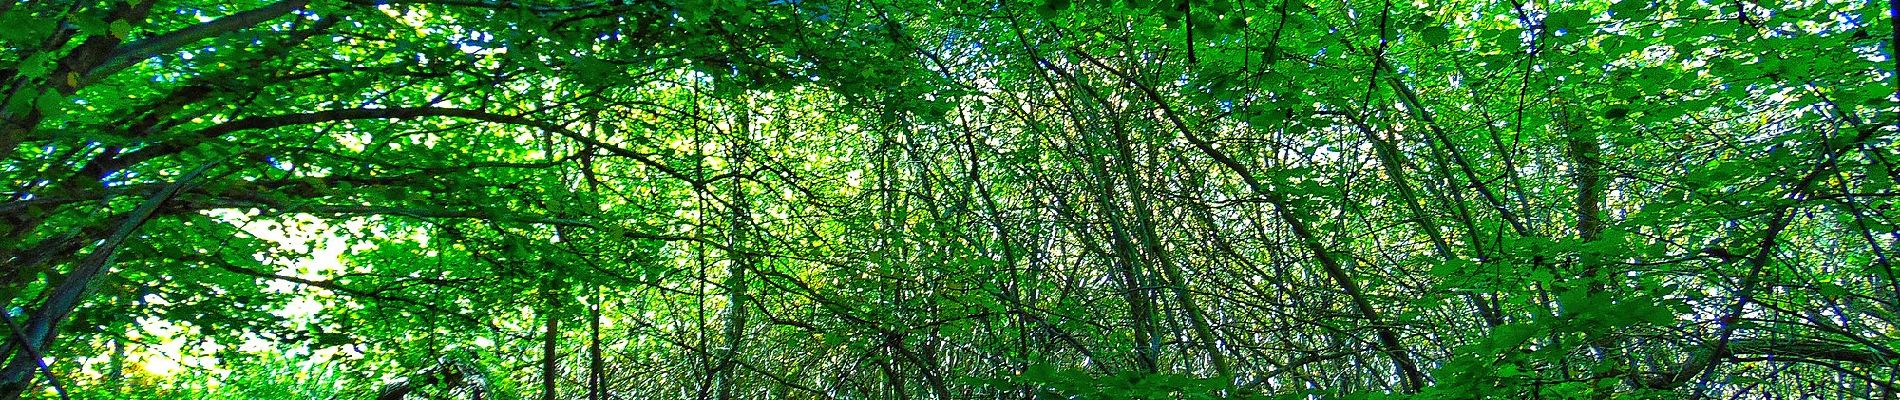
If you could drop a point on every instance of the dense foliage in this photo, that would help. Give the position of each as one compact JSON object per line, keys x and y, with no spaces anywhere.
{"x":954,"y":199}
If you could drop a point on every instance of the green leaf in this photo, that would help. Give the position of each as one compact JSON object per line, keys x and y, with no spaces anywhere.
{"x":21,"y":105}
{"x":1436,"y":35}
{"x":50,"y":103}
{"x":1038,"y":372}
{"x":1879,"y":177}
{"x":1509,"y":371}
{"x":1616,"y":112}
{"x":120,"y":29}
{"x":1052,"y":8}
{"x":23,"y":28}
{"x":1267,"y":117}
{"x":1509,"y":336}
{"x":37,"y":66}
{"x":89,"y":24}
{"x":1632,"y":9}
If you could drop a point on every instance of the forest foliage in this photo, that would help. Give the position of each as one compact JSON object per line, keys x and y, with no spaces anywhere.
{"x":951,"y":199}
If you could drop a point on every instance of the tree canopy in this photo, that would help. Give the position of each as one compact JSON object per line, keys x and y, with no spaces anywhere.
{"x":953,"y":199}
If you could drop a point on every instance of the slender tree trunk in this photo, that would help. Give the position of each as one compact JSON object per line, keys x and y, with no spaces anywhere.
{"x":1127,"y":264}
{"x":1010,"y":283}
{"x":1587,"y":173}
{"x":736,"y":269}
{"x":550,"y":341}
{"x":1586,"y":168}
{"x":596,"y":380}
{"x":1393,"y":163}
{"x":116,"y":372}
{"x":1145,"y":227}
{"x":736,"y":316}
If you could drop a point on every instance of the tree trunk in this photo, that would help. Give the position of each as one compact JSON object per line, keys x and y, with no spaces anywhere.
{"x":1151,"y":242}
{"x":550,"y":341}
{"x":596,"y":381}
{"x":116,"y":368}
{"x":1127,"y":264}
{"x":735,"y":283}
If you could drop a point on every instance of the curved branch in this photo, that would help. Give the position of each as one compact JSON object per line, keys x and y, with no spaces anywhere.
{"x":396,"y":113}
{"x":1810,"y":351}
{"x":130,"y":53}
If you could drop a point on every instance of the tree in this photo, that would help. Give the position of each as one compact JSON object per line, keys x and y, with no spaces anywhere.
{"x":900,"y":199}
